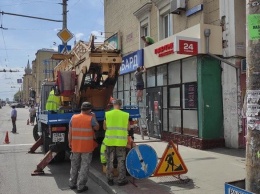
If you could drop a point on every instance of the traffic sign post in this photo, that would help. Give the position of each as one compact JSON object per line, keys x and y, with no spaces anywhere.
{"x":65,"y":35}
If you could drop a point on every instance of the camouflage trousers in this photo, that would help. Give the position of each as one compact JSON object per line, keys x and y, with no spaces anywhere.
{"x":119,"y":153}
{"x":79,"y":169}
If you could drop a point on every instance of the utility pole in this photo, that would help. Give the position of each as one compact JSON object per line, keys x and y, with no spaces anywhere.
{"x":253,"y":96}
{"x":64,"y":14}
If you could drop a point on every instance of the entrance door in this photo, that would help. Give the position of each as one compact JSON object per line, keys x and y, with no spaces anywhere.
{"x":154,"y":111}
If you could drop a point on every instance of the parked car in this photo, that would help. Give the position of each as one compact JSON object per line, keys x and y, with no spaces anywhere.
{"x":18,"y":105}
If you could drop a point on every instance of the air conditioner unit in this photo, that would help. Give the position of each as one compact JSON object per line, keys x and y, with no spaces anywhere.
{"x":243,"y":65}
{"x":177,"y":6}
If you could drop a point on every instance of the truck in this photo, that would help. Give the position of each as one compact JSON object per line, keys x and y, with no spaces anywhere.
{"x":88,"y":73}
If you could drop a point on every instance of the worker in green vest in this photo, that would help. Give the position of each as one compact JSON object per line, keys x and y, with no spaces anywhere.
{"x":147,"y":40}
{"x":53,"y":102}
{"x":116,"y":124}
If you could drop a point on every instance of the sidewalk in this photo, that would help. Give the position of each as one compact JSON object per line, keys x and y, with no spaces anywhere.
{"x":207,"y":172}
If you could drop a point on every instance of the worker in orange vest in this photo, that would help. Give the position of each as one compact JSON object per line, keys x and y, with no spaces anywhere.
{"x":82,"y":144}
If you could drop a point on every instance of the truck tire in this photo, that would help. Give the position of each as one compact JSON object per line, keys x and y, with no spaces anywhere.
{"x":36,"y":135}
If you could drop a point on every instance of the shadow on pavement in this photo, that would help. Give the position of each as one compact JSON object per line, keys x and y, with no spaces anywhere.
{"x":228,"y":151}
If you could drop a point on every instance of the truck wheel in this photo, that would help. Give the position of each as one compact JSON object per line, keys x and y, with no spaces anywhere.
{"x":36,"y":135}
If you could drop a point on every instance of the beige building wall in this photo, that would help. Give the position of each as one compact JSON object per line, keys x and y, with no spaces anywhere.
{"x":28,"y":81}
{"x":119,"y":16}
{"x":42,"y":63}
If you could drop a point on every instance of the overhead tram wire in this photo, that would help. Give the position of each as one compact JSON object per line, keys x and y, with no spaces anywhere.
{"x":4,"y":38}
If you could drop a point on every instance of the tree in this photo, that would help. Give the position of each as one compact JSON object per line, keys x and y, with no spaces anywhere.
{"x":253,"y":95}
{"x":18,"y":96}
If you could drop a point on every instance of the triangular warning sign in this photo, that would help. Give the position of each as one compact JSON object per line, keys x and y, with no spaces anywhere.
{"x":171,"y":162}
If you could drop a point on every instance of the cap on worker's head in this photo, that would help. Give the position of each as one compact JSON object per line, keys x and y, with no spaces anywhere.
{"x":86,"y":106}
{"x":117,"y":102}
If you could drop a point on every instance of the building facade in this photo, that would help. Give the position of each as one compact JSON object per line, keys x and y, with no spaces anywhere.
{"x":192,"y":97}
{"x":42,"y":67}
{"x":28,"y":83}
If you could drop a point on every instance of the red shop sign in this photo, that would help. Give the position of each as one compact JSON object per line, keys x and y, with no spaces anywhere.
{"x":164,"y":50}
{"x":188,"y":47}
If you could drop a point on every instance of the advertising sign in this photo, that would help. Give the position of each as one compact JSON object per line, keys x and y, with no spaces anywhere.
{"x":186,"y":45}
{"x":114,"y":41}
{"x":131,"y":62}
{"x":190,"y":95}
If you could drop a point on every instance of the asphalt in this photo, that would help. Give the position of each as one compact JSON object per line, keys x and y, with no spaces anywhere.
{"x":207,"y":172}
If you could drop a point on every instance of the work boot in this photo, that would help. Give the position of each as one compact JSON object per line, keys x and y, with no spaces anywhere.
{"x":85,"y":188}
{"x":124,"y":182}
{"x":110,"y":182}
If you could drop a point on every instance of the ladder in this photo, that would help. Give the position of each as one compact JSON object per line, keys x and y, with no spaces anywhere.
{"x":142,"y":121}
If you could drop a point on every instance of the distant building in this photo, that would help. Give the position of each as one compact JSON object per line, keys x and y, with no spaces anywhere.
{"x":28,"y":81}
{"x":43,"y":67}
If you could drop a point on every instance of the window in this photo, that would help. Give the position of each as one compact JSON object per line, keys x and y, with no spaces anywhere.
{"x":175,"y":97}
{"x":174,"y":73}
{"x":162,"y":75}
{"x":143,"y":15}
{"x":120,"y":83}
{"x":151,"y":77}
{"x":165,"y":25}
{"x":189,"y":70}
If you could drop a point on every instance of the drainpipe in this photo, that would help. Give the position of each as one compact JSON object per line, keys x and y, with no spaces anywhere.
{"x":207,"y":35}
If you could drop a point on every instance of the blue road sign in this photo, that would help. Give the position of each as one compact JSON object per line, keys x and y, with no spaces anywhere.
{"x":141,"y":161}
{"x":61,"y":48}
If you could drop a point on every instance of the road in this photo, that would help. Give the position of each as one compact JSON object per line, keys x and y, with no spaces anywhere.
{"x":16,"y":165}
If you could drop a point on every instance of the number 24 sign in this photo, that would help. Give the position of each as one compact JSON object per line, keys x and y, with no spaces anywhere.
{"x":187,"y":47}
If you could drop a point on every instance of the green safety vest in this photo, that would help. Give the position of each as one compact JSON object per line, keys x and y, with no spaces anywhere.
{"x":53,"y":102}
{"x":103,"y":148}
{"x":117,"y":125}
{"x":149,"y":40}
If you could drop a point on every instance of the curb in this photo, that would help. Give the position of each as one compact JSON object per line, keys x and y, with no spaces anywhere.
{"x":100,"y":179}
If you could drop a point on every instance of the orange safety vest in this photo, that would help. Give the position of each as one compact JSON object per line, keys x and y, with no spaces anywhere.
{"x":82,"y":134}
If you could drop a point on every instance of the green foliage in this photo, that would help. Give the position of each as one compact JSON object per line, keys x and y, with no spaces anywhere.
{"x":18,"y":96}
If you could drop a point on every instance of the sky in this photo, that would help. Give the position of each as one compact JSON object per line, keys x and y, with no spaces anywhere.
{"x":22,"y":37}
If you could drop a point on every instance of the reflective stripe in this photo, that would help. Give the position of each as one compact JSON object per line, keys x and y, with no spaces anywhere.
{"x":81,"y":129}
{"x":82,"y":138}
{"x":103,"y":154}
{"x":116,"y":128}
{"x":116,"y":137}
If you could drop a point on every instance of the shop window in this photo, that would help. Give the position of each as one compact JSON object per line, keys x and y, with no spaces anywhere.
{"x":150,"y":77}
{"x":114,"y":94}
{"x":120,"y":95}
{"x":120,"y":83}
{"x":127,"y":82}
{"x":165,"y":120}
{"x":174,"y":73}
{"x":189,"y":70}
{"x":162,"y":75}
{"x":175,"y":121}
{"x":165,"y":97}
{"x":175,"y":96}
{"x":190,"y":122}
{"x":126,"y":99}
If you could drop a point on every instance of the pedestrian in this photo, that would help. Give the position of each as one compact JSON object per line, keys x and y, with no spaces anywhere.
{"x":82,"y":144}
{"x":139,"y":82}
{"x":32,"y":114}
{"x":13,"y":118}
{"x":116,"y":124}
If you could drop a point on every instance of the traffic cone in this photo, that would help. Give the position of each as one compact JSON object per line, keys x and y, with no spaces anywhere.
{"x":27,"y":121}
{"x":6,"y":138}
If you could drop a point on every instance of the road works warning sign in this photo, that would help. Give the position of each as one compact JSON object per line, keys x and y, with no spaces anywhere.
{"x":171,"y":162}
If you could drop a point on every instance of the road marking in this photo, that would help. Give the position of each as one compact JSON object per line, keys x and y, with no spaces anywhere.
{"x":9,"y":145}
